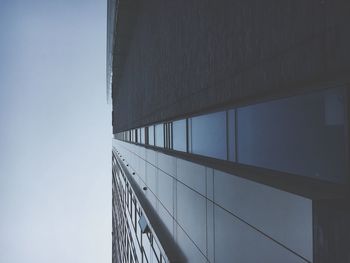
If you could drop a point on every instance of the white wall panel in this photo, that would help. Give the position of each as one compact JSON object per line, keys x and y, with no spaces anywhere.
{"x":237,"y":242}
{"x":283,"y":216}
{"x":192,"y":174}
{"x":165,"y":190}
{"x":191,"y":215}
{"x":191,"y":252}
{"x":167,"y":163}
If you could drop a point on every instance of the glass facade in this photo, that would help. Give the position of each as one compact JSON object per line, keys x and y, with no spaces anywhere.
{"x":302,"y":135}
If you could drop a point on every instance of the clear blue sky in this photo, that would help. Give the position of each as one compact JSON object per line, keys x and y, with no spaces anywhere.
{"x":55,"y":132}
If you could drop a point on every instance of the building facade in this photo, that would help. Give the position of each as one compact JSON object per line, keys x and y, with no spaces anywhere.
{"x":231,"y":130}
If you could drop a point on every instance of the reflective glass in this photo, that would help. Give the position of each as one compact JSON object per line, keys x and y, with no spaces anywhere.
{"x":142,"y":136}
{"x":208,"y":135}
{"x":159,"y":135}
{"x":302,"y":135}
{"x":231,"y":121}
{"x":179,"y":135}
{"x":151,"y":135}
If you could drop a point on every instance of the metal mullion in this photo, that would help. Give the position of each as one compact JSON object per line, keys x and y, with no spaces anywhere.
{"x":189,"y":135}
{"x":165,"y":135}
{"x":186,"y":135}
{"x":171,"y":135}
{"x":347,"y":135}
{"x":236,"y":138}
{"x":227,"y":137}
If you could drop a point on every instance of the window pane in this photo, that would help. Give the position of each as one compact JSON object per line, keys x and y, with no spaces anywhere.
{"x":151,"y":135}
{"x":179,"y":135}
{"x":159,"y":130}
{"x":208,"y":135}
{"x":231,"y":135}
{"x":301,"y":135}
{"x":142,"y":135}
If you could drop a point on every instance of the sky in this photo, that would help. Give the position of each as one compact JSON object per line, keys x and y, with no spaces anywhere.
{"x":55,"y":132}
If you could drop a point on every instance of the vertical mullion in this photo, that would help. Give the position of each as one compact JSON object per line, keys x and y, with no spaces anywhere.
{"x":165,"y":135}
{"x":154,"y":135}
{"x":236,"y":138}
{"x":189,"y":134}
{"x":187,"y":141}
{"x":171,"y":135}
{"x":347,"y":134}
{"x":227,"y":137}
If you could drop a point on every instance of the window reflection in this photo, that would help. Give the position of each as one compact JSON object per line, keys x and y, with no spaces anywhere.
{"x":179,"y":135}
{"x":142,"y":135}
{"x":231,"y":122}
{"x":208,"y":135}
{"x":159,"y":135}
{"x":151,"y":135}
{"x":301,"y":135}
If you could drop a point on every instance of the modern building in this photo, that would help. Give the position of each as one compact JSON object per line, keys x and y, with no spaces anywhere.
{"x":231,"y":130}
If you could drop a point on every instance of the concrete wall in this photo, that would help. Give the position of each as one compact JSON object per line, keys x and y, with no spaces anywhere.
{"x":174,"y":58}
{"x":218,"y":217}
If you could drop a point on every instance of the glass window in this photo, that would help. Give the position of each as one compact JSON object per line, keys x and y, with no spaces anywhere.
{"x":179,"y":135}
{"x":167,"y":134}
{"x":142,"y":135}
{"x":139,"y":135}
{"x":159,"y":135}
{"x":231,"y":121}
{"x":132,"y":135}
{"x":301,"y":135}
{"x":151,"y":135}
{"x":208,"y":135}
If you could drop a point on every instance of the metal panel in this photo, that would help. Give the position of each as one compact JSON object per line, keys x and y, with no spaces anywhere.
{"x":238,"y":242}
{"x":285,"y":217}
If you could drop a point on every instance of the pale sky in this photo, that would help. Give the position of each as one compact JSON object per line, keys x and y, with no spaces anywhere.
{"x":55,"y":132}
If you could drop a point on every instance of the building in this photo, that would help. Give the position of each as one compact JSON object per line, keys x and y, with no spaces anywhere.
{"x":231,"y":130}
